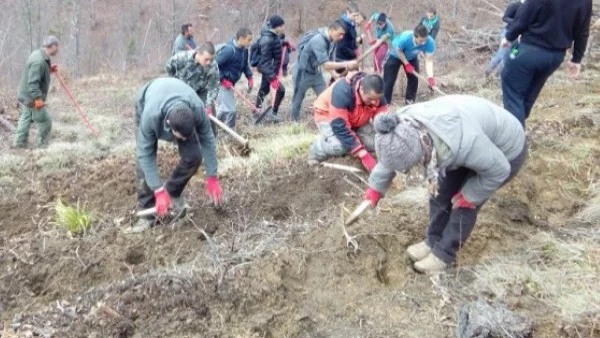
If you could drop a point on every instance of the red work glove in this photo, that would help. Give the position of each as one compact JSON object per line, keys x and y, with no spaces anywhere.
{"x":372,"y":42}
{"x":250,"y":83}
{"x":459,"y":201}
{"x":54,"y":68}
{"x":226,"y":84}
{"x":38,"y":104}
{"x":431,"y":81}
{"x":163,"y":202}
{"x":208,"y":111}
{"x":409,"y":69}
{"x":368,"y":25}
{"x":372,"y":195}
{"x":368,"y":162}
{"x":275,"y":84}
{"x":213,"y":189}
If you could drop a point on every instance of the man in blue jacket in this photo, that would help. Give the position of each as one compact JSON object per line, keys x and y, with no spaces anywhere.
{"x":547,"y":29}
{"x":168,"y":109}
{"x":347,"y":48}
{"x":233,"y":61}
{"x":405,"y":52}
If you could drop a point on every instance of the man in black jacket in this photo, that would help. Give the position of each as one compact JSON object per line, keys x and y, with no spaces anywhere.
{"x":346,"y":49}
{"x":270,"y":49}
{"x":547,"y":29}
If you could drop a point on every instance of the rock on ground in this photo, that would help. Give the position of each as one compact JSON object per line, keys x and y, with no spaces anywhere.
{"x":483,"y":320}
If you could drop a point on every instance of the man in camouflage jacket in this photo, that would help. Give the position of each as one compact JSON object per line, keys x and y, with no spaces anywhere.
{"x":200,"y":71}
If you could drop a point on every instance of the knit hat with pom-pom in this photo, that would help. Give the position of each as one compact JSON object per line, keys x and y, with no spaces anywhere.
{"x":397,"y":144}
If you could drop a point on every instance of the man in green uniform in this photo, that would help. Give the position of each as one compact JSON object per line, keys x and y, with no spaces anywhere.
{"x":33,"y":91}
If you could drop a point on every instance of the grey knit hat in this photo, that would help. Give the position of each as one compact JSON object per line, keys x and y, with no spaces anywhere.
{"x":50,"y":41}
{"x":398,"y":145}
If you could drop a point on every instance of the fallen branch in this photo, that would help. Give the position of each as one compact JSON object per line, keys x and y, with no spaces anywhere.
{"x":358,"y":211}
{"x":350,"y":241}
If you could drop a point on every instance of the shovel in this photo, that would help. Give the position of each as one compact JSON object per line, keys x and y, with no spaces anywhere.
{"x":269,"y":110}
{"x":245,"y":143}
{"x":358,"y":211}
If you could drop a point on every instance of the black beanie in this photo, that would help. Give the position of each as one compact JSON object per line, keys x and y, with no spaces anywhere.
{"x":276,"y":21}
{"x":382,"y":18}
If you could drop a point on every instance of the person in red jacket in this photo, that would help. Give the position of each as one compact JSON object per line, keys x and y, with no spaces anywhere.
{"x":343,"y":114}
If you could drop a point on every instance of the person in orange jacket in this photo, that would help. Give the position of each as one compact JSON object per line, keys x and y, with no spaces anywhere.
{"x":343,"y":114}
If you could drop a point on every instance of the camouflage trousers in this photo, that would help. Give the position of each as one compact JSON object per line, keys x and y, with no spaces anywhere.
{"x":42,"y":120}
{"x":328,"y":145}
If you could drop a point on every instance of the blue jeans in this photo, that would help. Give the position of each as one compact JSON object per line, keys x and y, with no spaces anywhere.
{"x":524,"y":76}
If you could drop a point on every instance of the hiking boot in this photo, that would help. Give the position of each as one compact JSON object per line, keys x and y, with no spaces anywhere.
{"x":408,"y":102}
{"x":274,"y":118}
{"x":141,"y":225}
{"x":419,"y":251}
{"x":430,"y":264}
{"x":179,"y":207}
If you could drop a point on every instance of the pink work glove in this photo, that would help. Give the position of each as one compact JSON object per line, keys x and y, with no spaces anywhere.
{"x":163,"y":202}
{"x":372,"y":195}
{"x":226,"y":84}
{"x":368,"y":25}
{"x":213,"y":189}
{"x":368,"y":162}
{"x":275,"y":84}
{"x":209,"y":111}
{"x":459,"y":201}
{"x":431,"y":81}
{"x":409,"y":69}
{"x":54,"y":68}
{"x":250,"y":83}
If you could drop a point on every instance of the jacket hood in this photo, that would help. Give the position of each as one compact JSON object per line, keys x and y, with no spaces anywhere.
{"x":266,"y":31}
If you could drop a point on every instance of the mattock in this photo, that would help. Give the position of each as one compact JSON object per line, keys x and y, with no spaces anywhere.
{"x":350,"y":240}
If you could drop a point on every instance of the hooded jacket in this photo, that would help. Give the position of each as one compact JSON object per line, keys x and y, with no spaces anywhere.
{"x":270,"y":53}
{"x":467,"y":131}
{"x":153,"y":104}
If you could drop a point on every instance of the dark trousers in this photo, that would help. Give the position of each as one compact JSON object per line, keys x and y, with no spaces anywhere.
{"x":450,"y":228}
{"x":390,"y":75}
{"x":524,"y":76}
{"x":190,"y":159}
{"x":265,"y":88}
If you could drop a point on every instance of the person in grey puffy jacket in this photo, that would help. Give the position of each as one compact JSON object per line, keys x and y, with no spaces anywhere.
{"x":469,"y":147}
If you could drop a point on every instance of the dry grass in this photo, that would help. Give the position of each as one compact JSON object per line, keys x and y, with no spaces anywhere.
{"x":563,"y":275}
{"x":591,"y":213}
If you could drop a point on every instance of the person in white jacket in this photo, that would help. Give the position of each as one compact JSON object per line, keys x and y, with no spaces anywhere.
{"x":469,"y":146}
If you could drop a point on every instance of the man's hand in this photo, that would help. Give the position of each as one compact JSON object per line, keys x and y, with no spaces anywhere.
{"x":209,"y":111}
{"x":505,"y":43}
{"x":573,"y":69}
{"x":213,"y":189}
{"x":275,"y":84}
{"x":352,"y":65}
{"x":408,"y":68}
{"x":431,"y":81}
{"x":372,"y":42}
{"x":251,"y":83}
{"x":54,"y":68}
{"x":373,"y":196}
{"x":38,"y":104}
{"x":226,"y":84}
{"x":163,"y":202}
{"x":459,"y":201}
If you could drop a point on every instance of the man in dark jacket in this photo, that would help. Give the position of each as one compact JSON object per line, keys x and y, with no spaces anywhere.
{"x":168,"y":109}
{"x":270,"y":49}
{"x":233,"y":61}
{"x":547,"y":29}
{"x":33,"y":91}
{"x":347,"y":48}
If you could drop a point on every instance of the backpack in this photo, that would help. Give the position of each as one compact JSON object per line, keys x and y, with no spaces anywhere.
{"x":255,"y":53}
{"x":305,"y":39}
{"x":219,"y":47}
